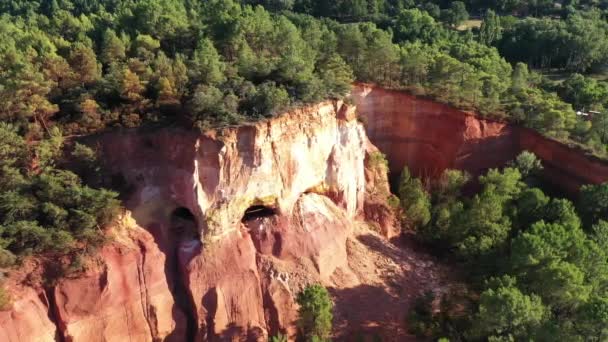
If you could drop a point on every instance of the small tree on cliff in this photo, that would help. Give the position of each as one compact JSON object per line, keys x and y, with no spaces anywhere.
{"x":278,"y":338}
{"x":527,"y":163}
{"x":415,"y":201}
{"x":315,"y":313}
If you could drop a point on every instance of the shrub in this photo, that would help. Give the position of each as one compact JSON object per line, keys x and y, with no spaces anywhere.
{"x":278,"y":338}
{"x":5,"y":299}
{"x":377,"y":159}
{"x":315,"y":313}
{"x":7,"y":258}
{"x":415,"y":201}
{"x":527,"y":163}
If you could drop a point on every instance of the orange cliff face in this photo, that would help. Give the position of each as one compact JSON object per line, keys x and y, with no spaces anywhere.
{"x":222,"y":230}
{"x":123,"y":296}
{"x":430,"y":137}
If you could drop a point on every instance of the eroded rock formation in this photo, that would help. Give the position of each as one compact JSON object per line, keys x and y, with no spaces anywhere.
{"x":429,"y":137}
{"x":223,"y":228}
{"x":28,"y":317}
{"x":227,"y":226}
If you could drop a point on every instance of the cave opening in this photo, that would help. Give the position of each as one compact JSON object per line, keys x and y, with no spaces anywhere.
{"x":258,"y":211}
{"x":184,"y":226}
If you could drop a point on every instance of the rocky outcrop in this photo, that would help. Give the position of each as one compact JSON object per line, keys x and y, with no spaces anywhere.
{"x":126,"y":297}
{"x":223,"y":228}
{"x":28,"y":318}
{"x":566,"y":167}
{"x":381,"y":206}
{"x":235,"y":222}
{"x":219,"y":174}
{"x":304,"y":170}
{"x":272,"y":204}
{"x":430,"y":137}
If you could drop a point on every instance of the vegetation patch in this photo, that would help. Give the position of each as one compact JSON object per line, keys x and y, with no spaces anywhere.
{"x":530,"y":257}
{"x":378,"y":159}
{"x":44,"y":207}
{"x":5,"y":299}
{"x":315,"y":314}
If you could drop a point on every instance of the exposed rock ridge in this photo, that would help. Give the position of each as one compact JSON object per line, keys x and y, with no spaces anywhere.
{"x":219,"y":174}
{"x":240,"y":219}
{"x":123,"y":296}
{"x":229,"y":225}
{"x":430,"y":137}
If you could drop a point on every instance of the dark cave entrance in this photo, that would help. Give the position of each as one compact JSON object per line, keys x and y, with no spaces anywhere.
{"x":184,"y":226}
{"x":258,"y":211}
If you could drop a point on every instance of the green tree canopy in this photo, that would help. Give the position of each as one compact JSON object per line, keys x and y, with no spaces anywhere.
{"x":315,"y":313}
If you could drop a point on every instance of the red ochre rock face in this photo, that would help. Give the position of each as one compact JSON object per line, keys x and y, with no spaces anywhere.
{"x":27,"y":319}
{"x":125,"y":295}
{"x":224,"y":228}
{"x":430,"y":137}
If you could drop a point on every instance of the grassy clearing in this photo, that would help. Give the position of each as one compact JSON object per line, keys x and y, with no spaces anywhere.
{"x":469,"y":24}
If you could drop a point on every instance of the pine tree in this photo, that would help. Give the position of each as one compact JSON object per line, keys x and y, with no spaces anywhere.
{"x":206,"y":65}
{"x":84,"y":63}
{"x":490,"y":30}
{"x":337,"y":75}
{"x":130,"y":87}
{"x":519,"y":77}
{"x":113,"y":49}
{"x":315,"y":313}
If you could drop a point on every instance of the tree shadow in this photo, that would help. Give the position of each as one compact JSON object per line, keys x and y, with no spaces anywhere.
{"x":378,"y":310}
{"x":368,"y":313}
{"x":241,"y":334}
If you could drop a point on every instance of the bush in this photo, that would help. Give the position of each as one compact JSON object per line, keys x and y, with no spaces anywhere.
{"x":5,"y":299}
{"x":378,"y":159}
{"x":278,"y":338}
{"x":270,"y":99}
{"x":527,"y":163}
{"x":415,"y":200}
{"x":315,"y":313}
{"x":7,"y":258}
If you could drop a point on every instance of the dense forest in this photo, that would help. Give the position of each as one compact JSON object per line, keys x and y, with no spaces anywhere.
{"x":74,"y":67}
{"x":538,"y":265}
{"x":88,"y":65}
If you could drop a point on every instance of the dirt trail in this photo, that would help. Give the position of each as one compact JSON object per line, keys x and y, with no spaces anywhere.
{"x":390,"y":276}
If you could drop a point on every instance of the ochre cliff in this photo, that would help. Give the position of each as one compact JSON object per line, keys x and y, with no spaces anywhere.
{"x":124,"y":295}
{"x":28,"y":317}
{"x":566,"y":167}
{"x":222,"y":229}
{"x":303,"y":173}
{"x":429,"y":137}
